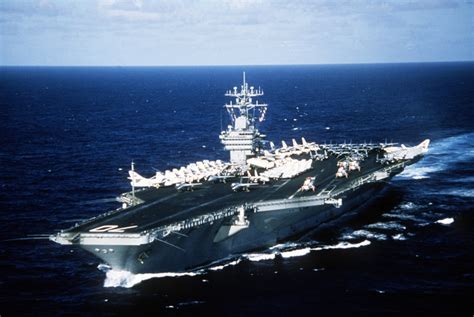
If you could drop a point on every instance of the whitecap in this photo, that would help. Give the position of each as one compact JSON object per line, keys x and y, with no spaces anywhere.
{"x":103,"y":267}
{"x":408,"y":206}
{"x":423,"y":224}
{"x":365,"y":234}
{"x":343,"y":245}
{"x":399,"y":236}
{"x":348,"y":236}
{"x":193,"y":302}
{"x":445,"y":221}
{"x":117,"y":278}
{"x":403,"y":217}
{"x":417,"y":172}
{"x":126,"y":279}
{"x":392,"y":225}
{"x":222,"y":266}
{"x":256,"y":257}
{"x":282,"y":246}
{"x":295,"y":253}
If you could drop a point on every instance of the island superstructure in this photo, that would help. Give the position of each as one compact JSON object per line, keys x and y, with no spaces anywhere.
{"x":191,"y":216}
{"x":242,"y":137}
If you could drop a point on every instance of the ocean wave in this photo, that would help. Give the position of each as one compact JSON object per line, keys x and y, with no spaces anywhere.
{"x":256,"y":257}
{"x":125,"y":279}
{"x":223,"y":266}
{"x":403,"y":216}
{"x":391,"y":225}
{"x":441,"y":156}
{"x":283,"y":246}
{"x":343,"y":245}
{"x":295,"y":253}
{"x":306,"y":250}
{"x":404,"y":211}
{"x":193,"y":302}
{"x":409,"y":206}
{"x":461,"y":145}
{"x":417,"y":172}
{"x":445,"y":221}
{"x":399,"y":236}
{"x":364,"y":234}
{"x":460,"y":192}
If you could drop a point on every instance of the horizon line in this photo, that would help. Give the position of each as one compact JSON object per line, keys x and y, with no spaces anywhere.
{"x":247,"y":65}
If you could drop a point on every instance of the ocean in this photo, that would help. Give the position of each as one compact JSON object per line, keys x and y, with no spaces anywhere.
{"x":69,"y":134}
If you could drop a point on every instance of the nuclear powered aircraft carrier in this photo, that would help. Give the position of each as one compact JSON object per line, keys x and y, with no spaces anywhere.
{"x":188,"y":217}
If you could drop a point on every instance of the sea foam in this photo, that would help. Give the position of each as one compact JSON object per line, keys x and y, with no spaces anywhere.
{"x":445,"y":221}
{"x":116,"y":278}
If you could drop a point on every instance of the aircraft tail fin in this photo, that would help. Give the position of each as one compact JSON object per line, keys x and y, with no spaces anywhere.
{"x":139,"y":181}
{"x":134,"y":176}
{"x":424,"y":145}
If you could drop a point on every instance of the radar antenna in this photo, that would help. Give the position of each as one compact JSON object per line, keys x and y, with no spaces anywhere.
{"x":244,"y":105}
{"x":242,"y":137}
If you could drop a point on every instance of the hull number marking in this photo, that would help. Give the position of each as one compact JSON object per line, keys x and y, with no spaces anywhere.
{"x":111,"y":228}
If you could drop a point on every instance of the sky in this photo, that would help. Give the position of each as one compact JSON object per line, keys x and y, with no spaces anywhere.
{"x":233,"y":32}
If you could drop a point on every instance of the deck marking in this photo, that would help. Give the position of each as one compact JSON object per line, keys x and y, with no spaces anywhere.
{"x":136,"y":210}
{"x":122,"y":229}
{"x":189,"y":209}
{"x":111,"y":228}
{"x":277,"y":188}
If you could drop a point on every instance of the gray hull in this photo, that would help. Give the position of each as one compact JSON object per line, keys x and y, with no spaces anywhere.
{"x":197,"y":246}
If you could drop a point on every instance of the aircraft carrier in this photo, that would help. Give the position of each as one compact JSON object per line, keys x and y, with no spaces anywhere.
{"x":191,"y":216}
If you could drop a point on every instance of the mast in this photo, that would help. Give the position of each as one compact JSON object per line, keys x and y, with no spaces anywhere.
{"x":242,"y":137}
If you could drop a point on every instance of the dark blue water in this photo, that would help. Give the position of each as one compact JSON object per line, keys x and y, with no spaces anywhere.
{"x":68,"y":135}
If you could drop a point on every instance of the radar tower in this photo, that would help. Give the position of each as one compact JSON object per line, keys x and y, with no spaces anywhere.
{"x":242,"y":137}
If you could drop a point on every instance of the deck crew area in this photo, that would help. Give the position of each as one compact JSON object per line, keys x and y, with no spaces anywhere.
{"x":162,"y":206}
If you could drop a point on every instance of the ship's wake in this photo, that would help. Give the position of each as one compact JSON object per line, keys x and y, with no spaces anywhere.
{"x":116,"y":278}
{"x":395,"y":228}
{"x":442,"y":155}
